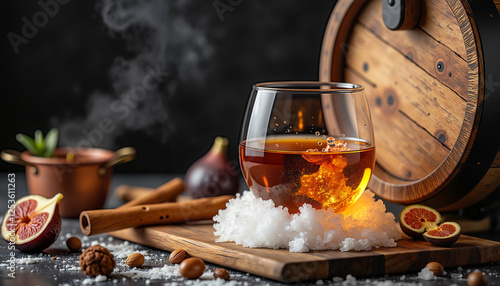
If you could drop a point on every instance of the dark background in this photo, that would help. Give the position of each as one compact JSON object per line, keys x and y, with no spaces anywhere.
{"x":71,"y":73}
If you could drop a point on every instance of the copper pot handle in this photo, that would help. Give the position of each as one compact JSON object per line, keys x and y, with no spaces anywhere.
{"x":122,"y":155}
{"x":14,"y":157}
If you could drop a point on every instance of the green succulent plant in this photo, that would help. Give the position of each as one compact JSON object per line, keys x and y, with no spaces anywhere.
{"x":38,"y":145}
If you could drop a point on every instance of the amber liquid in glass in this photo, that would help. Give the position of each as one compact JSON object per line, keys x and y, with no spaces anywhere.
{"x":293,"y":170}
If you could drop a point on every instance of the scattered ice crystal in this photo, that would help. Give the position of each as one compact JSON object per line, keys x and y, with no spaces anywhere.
{"x":337,"y":279}
{"x":426,"y":274}
{"x":72,"y":268}
{"x":123,"y":250}
{"x":101,"y":278}
{"x":28,"y":260}
{"x":151,"y":273}
{"x":361,"y":227}
{"x":350,"y":280}
{"x":456,"y":275}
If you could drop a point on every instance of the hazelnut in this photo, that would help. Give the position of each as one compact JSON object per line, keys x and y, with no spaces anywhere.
{"x":221,"y":273}
{"x":477,"y":278}
{"x":177,"y":256}
{"x":436,"y":268}
{"x":74,"y":243}
{"x":135,"y":260}
{"x":192,"y":268}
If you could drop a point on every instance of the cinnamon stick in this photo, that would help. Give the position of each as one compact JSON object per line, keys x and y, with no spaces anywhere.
{"x":166,"y":192}
{"x":100,"y":221}
{"x":128,"y":193}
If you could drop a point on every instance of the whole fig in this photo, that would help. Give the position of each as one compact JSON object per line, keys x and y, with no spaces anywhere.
{"x":212,"y":175}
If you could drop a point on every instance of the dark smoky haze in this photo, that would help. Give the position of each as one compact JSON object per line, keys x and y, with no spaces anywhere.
{"x":165,"y":77}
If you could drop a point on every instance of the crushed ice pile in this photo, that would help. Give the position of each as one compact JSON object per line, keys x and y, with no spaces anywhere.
{"x":253,"y":222}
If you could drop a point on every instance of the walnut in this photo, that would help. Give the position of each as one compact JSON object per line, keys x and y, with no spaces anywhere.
{"x":97,"y":260}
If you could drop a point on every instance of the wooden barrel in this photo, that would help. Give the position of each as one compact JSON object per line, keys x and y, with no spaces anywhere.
{"x":434,"y":96}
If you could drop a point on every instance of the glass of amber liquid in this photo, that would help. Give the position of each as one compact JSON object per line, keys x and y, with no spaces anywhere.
{"x":307,"y":142}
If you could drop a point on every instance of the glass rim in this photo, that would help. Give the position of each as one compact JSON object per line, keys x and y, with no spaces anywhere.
{"x":301,"y":86}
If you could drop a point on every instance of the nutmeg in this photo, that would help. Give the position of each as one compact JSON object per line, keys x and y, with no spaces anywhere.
{"x":97,"y":260}
{"x":74,"y":243}
{"x":477,"y":278}
{"x":135,"y":260}
{"x":436,"y":268}
{"x":177,"y":256}
{"x":221,"y":273}
{"x":192,"y":268}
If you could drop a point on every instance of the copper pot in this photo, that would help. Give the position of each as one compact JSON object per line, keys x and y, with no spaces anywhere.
{"x":82,"y":175}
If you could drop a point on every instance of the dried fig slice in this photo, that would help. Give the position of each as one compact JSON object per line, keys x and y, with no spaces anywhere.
{"x":417,"y":219}
{"x":445,"y":234}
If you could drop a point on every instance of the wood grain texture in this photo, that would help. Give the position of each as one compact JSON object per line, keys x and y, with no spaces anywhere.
{"x":440,"y":22}
{"x":496,"y":162}
{"x":409,"y":256}
{"x":335,"y":40}
{"x":401,"y":95}
{"x":427,"y":153}
{"x":421,"y":49}
{"x":425,"y":89}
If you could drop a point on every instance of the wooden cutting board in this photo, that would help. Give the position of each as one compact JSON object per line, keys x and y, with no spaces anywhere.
{"x":279,"y":264}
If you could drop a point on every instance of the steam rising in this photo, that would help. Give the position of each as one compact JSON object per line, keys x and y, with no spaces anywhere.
{"x":167,"y":49}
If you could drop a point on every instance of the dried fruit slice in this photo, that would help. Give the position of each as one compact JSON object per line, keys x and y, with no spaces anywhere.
{"x":417,"y":219}
{"x":445,"y":234}
{"x":33,"y":223}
